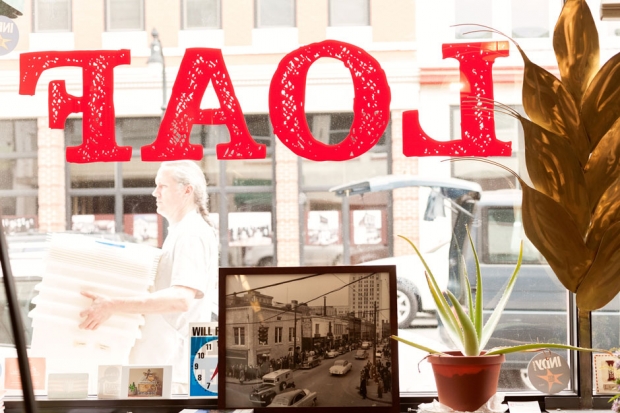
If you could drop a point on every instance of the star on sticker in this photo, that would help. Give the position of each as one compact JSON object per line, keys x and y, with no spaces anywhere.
{"x":3,"y":42}
{"x":551,"y":379}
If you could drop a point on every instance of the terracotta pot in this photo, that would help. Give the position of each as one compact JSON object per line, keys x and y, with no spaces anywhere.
{"x":466,"y":383}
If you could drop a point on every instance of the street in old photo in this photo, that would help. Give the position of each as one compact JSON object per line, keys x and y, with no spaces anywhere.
{"x":308,"y":340}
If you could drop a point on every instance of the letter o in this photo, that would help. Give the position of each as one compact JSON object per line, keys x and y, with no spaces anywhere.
{"x":371,"y":105}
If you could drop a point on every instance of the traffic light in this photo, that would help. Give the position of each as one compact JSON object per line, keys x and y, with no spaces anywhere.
{"x":263,"y":334}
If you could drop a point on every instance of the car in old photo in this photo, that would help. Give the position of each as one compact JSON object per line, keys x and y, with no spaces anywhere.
{"x":331,"y":354}
{"x":281,"y":379}
{"x":340,"y":368}
{"x":361,"y":354}
{"x":295,"y":398}
{"x":263,"y":394}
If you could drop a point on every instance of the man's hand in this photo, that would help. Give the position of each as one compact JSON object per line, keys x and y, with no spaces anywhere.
{"x":99,"y":311}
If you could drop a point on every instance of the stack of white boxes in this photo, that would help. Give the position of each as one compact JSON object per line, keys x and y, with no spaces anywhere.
{"x":76,"y":263}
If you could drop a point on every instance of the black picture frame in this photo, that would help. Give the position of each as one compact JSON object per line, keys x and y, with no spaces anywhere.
{"x":306,"y":311}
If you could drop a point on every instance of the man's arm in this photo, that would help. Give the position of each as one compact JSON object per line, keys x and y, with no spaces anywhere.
{"x":175,"y":299}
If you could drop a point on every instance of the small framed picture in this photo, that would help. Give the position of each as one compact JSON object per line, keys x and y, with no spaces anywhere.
{"x":606,"y":373}
{"x":146,"y":382}
{"x":308,"y":337}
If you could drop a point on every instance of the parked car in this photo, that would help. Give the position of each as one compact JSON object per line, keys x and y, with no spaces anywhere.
{"x":412,"y":293}
{"x":295,"y":398}
{"x":310,"y":362}
{"x":340,"y":368}
{"x":331,"y":354}
{"x":361,"y":354}
{"x":263,"y":394}
{"x":538,"y":307}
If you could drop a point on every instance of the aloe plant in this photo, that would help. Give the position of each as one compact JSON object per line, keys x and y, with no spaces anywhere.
{"x":465,"y":325}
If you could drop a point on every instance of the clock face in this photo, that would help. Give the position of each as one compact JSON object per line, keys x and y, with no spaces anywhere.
{"x":205,"y":366}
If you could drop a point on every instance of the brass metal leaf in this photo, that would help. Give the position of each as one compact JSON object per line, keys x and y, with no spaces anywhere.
{"x":576,"y":45}
{"x":606,"y":214}
{"x":553,"y":231}
{"x":555,"y":171}
{"x":601,"y":283}
{"x":603,"y":167}
{"x":600,"y":106}
{"x":549,"y":104}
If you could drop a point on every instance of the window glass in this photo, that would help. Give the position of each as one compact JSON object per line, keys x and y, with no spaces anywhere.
{"x":280,"y":210}
{"x":125,"y":15}
{"x":332,"y":129}
{"x":52,"y":15}
{"x":504,"y":235}
{"x":275,"y":13}
{"x":530,"y":18}
{"x":201,"y":14}
{"x":470,"y":13}
{"x":605,"y":335}
{"x":349,"y":13}
{"x":507,"y":129}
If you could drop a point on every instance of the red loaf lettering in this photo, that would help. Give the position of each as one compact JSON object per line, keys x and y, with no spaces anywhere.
{"x":371,"y":106}
{"x":198,"y":68}
{"x":477,"y":118}
{"x":96,"y":102}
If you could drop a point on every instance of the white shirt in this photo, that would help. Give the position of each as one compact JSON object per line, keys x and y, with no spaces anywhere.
{"x":189,"y":259}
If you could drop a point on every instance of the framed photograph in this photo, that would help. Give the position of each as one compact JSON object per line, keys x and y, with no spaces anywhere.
{"x":605,"y":374}
{"x":308,"y":336}
{"x":142,"y":382}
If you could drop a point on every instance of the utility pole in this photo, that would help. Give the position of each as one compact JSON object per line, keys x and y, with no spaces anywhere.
{"x":294,"y":336}
{"x":374,"y":336}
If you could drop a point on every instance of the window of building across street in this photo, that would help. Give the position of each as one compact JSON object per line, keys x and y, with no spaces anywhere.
{"x":124,"y":15}
{"x":52,"y":15}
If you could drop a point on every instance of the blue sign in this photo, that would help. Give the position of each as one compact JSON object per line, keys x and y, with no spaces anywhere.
{"x":9,"y":35}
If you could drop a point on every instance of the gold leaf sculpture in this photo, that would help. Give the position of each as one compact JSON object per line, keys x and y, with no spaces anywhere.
{"x":572,"y":153}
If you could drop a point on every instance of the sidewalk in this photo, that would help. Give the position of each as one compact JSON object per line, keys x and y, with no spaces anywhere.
{"x":371,"y":393}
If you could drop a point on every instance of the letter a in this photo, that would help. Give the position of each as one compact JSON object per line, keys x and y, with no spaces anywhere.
{"x":198,"y":68}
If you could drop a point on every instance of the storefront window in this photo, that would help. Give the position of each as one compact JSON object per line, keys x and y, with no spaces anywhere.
{"x":282,"y":210}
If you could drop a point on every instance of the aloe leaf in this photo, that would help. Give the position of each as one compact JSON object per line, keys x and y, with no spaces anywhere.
{"x":470,"y":301}
{"x":443,"y":308}
{"x":478,"y":310}
{"x":540,"y":346}
{"x":445,"y":313}
{"x":470,"y":336}
{"x":489,"y":327}
{"x":418,"y":346}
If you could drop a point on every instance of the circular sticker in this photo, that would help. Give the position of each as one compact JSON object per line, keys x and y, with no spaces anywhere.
{"x":9,"y":35}
{"x":548,"y":372}
{"x":205,"y":367}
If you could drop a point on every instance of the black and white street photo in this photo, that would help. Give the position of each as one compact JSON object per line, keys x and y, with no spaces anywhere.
{"x":307,"y":336}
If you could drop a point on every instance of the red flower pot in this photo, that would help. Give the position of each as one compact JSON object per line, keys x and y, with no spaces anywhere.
{"x":465,"y":383}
